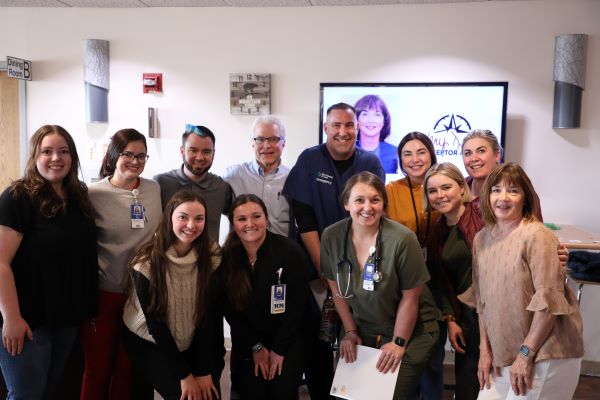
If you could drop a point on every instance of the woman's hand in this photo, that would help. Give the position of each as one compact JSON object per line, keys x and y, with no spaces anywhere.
{"x":348,"y":346}
{"x":520,"y":375}
{"x":484,"y":370}
{"x":456,"y":337}
{"x":390,"y":357}
{"x":13,"y":334}
{"x":563,"y":255}
{"x":190,"y":389}
{"x":207,"y":385}
{"x":275,"y":363}
{"x":261,"y":362}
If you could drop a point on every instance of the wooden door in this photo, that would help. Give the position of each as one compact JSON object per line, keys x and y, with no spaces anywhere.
{"x":9,"y":130}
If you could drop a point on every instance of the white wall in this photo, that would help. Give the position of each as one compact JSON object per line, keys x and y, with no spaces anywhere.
{"x":197,"y":48}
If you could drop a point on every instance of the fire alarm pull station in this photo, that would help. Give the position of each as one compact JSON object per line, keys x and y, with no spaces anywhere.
{"x":152,"y":83}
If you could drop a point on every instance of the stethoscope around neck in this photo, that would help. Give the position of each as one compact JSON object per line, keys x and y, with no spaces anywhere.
{"x":344,"y":261}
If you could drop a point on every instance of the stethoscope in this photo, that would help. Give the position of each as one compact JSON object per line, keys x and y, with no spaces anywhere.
{"x":374,"y":252}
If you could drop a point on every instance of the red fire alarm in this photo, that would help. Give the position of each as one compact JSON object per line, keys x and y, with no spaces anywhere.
{"x":152,"y":83}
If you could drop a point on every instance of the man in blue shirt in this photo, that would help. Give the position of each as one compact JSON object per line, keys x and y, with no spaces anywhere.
{"x":265,"y":175}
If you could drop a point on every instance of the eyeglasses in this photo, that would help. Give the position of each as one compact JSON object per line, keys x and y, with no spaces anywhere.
{"x":195,"y":129}
{"x":271,"y":140}
{"x":129,"y":157}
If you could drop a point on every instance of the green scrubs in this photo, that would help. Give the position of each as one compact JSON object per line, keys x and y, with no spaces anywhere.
{"x":402,"y":267}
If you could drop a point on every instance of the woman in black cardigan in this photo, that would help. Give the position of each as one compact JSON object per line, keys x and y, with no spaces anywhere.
{"x":262,"y":289}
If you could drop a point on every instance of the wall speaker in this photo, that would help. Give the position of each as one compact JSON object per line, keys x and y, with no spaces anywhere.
{"x":96,"y":77}
{"x":569,"y":79}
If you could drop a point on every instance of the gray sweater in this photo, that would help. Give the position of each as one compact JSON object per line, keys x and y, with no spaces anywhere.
{"x":117,"y":241}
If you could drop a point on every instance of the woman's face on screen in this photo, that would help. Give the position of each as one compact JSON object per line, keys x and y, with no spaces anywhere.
{"x":370,"y":122}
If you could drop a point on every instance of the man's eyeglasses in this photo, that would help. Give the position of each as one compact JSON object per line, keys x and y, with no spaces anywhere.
{"x":271,"y":140}
{"x":129,"y":157}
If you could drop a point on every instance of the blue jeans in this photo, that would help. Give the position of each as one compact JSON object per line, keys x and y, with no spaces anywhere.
{"x":34,"y":373}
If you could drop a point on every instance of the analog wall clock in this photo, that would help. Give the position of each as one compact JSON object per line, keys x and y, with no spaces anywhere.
{"x":250,"y":94}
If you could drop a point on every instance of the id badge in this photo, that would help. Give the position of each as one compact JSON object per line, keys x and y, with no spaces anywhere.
{"x":278,"y":298}
{"x":137,"y":216}
{"x":368,"y":282}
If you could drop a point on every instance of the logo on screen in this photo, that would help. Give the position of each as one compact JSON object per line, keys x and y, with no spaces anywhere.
{"x":448,"y":133}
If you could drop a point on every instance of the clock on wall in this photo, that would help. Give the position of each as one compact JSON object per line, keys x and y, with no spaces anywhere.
{"x":250,"y":94}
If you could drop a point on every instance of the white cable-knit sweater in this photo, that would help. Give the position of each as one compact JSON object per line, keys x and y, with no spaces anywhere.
{"x":181,"y":279}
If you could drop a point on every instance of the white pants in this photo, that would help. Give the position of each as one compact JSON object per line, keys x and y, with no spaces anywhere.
{"x":552,"y":379}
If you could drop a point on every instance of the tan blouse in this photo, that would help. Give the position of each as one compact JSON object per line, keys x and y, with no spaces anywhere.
{"x":512,"y":278}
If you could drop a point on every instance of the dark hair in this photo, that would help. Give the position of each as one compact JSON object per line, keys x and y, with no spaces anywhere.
{"x":117,"y":143}
{"x":199,"y":130}
{"x":340,"y":106}
{"x":40,"y":190}
{"x":237,"y":278}
{"x":368,"y":178}
{"x":373,"y":102}
{"x":421,"y":137}
{"x":154,"y":254}
{"x":510,"y":174}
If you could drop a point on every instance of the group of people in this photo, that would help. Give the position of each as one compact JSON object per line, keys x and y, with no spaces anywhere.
{"x":133,"y":265}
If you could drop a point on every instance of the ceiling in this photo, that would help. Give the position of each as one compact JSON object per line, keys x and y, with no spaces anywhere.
{"x":215,"y":3}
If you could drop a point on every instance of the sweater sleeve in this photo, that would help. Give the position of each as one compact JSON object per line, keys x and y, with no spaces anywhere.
{"x":547,"y":275}
{"x":159,"y":329}
{"x":295,"y":302}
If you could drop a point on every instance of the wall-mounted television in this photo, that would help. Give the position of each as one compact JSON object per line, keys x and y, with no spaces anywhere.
{"x":445,"y":112}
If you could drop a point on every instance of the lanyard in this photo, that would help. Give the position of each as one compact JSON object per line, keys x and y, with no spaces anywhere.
{"x":412,"y":197}
{"x":346,"y":262}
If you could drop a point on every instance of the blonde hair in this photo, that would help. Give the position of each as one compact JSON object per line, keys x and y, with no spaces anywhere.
{"x":486,"y":135}
{"x":451,"y":171}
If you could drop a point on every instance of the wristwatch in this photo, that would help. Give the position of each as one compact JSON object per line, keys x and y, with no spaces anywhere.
{"x":526,"y":351}
{"x":257,"y":347}
{"x":449,"y":317}
{"x":399,"y":341}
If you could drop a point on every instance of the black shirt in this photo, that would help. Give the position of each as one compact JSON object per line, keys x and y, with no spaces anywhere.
{"x":56,"y":265}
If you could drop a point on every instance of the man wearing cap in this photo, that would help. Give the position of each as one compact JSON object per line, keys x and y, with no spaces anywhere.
{"x":265,"y":175}
{"x":198,"y":151}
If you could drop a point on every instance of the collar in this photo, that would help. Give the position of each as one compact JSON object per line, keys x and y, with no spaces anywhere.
{"x":184,"y":180}
{"x":259,"y":170}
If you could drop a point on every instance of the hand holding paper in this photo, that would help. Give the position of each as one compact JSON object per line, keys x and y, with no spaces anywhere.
{"x":390,"y":358}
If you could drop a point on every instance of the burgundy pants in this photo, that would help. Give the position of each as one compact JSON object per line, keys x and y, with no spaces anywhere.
{"x":108,"y":373}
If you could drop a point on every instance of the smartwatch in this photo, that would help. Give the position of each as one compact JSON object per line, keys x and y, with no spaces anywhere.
{"x":526,"y":351}
{"x":399,"y":341}
{"x":257,"y":347}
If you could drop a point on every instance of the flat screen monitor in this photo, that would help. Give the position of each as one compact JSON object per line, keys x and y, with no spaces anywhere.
{"x":445,"y":112}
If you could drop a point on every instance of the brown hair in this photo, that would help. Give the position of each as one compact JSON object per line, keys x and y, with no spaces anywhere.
{"x":368,"y":178}
{"x":37,"y":188}
{"x":117,"y":143}
{"x":510,"y":174}
{"x":421,"y":137}
{"x":237,"y":278}
{"x":153,"y":253}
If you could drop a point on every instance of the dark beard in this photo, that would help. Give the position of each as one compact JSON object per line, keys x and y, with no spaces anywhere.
{"x":196,"y":171}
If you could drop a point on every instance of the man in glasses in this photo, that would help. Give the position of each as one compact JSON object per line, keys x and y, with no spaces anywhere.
{"x":198,"y":151}
{"x":265,"y":175}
